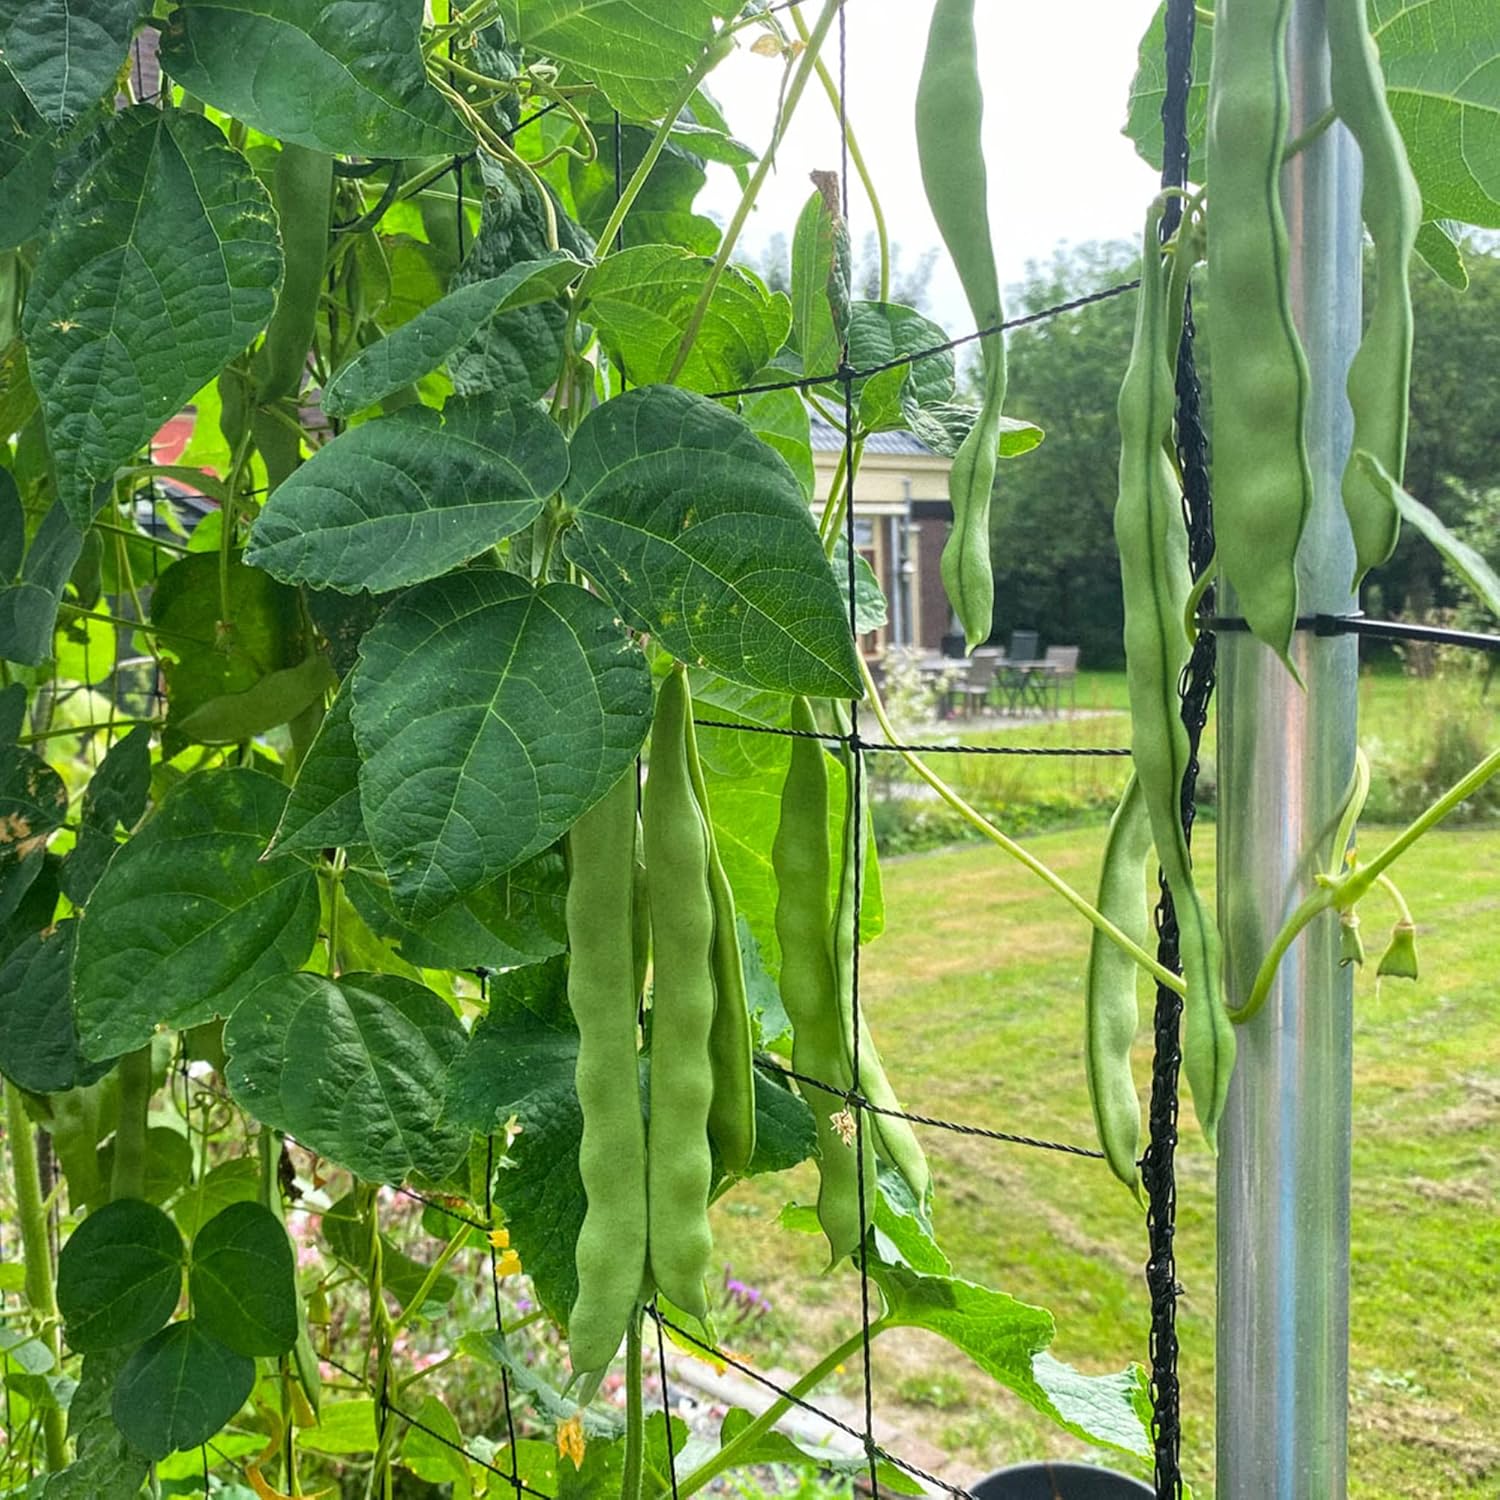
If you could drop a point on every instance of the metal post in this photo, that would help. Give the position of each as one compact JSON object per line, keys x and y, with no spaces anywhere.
{"x":1285,"y":757}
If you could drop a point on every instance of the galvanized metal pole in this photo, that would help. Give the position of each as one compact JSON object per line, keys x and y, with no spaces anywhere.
{"x":1285,"y":757}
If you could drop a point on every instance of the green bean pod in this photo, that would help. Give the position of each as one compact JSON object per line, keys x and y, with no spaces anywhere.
{"x":950,"y":150}
{"x":1380,"y":373}
{"x":1157,"y":582}
{"x":1111,"y":1014}
{"x":893,"y":1138}
{"x":809,"y":990}
{"x":302,"y":190}
{"x":602,"y":992}
{"x":679,"y":1164}
{"x":1262,"y":482}
{"x":731,"y":1046}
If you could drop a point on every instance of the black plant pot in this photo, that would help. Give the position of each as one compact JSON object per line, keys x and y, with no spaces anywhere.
{"x":1059,"y":1482}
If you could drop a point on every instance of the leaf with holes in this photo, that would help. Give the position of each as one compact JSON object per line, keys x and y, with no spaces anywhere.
{"x":638,"y":52}
{"x":489,"y":716}
{"x":119,"y":1275}
{"x":187,"y":920}
{"x":178,"y":1389}
{"x":404,"y":498}
{"x":162,"y":265}
{"x":419,"y":346}
{"x":346,"y":79}
{"x":354,"y":1068}
{"x":699,"y":533}
{"x":243,"y":1280}
{"x":643,"y":300}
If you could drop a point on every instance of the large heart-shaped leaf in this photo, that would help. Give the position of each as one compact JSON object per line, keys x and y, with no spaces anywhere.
{"x":65,"y":53}
{"x":489,"y":716}
{"x":179,"y":1388}
{"x":119,"y":1275}
{"x":639,"y":52}
{"x":642,"y":301}
{"x":419,"y":346}
{"x":338,"y":77}
{"x":243,"y":1280}
{"x":27,"y":157}
{"x":38,"y":1036}
{"x":406,"y":497}
{"x":187,"y":920}
{"x":354,"y":1068}
{"x":699,"y":533}
{"x":322,"y":811}
{"x":162,"y":265}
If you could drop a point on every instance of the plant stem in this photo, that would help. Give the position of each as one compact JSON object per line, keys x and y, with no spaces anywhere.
{"x":1320,"y":901}
{"x":128,"y":1177}
{"x":1308,"y":136}
{"x":36,"y":1248}
{"x":752,"y":188}
{"x":380,"y":1335}
{"x":430,"y":1280}
{"x":630,"y":1479}
{"x":857,"y":157}
{"x":63,"y":731}
{"x":728,"y":1455}
{"x":976,"y":819}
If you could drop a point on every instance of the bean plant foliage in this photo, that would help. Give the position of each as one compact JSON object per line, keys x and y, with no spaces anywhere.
{"x":297,"y":723}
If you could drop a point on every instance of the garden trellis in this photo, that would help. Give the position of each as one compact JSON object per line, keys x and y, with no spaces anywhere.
{"x":447,"y":530}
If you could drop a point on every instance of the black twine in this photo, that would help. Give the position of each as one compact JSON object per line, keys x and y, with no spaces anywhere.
{"x":834,"y":738}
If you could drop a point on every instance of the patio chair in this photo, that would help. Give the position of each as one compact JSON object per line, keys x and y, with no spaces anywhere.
{"x":1062,"y":668}
{"x":979,"y":681}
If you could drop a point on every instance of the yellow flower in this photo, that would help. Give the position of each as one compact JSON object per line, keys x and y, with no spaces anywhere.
{"x":570,"y":1440}
{"x":509,"y":1264}
{"x":500,"y":1239}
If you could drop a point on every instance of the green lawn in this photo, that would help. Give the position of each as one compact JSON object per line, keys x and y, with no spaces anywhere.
{"x":974,"y":992}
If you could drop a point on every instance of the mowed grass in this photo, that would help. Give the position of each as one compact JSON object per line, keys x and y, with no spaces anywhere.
{"x":974,"y":994}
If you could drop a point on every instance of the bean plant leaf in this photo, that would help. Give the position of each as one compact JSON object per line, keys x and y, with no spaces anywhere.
{"x":347,"y":1235}
{"x":338,"y":78}
{"x":162,"y":265}
{"x":322,"y":809}
{"x":178,"y":1389}
{"x":785,"y":1450}
{"x":1438,"y":245}
{"x":489,"y":716}
{"x":65,"y":53}
{"x":407,"y":497}
{"x":880,"y":332}
{"x":662,"y":212}
{"x":1008,"y":1340}
{"x":187,"y":919}
{"x":781,"y":419}
{"x":419,"y":346}
{"x":642,"y":301}
{"x":116,"y":797}
{"x":33,"y":804}
{"x":28,"y":608}
{"x":698,"y":532}
{"x":638,"y":52}
{"x":355,"y":1068}
{"x":38,"y":1036}
{"x":817,"y":340}
{"x":27,"y":158}
{"x":105,"y":1466}
{"x":243,"y":1281}
{"x":119,"y":1275}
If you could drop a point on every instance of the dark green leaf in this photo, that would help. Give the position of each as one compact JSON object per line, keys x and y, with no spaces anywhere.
{"x":662,"y":212}
{"x":344,"y":80}
{"x":33,"y":804}
{"x":355,"y":1068}
{"x":699,"y":533}
{"x":178,"y":1389}
{"x":515,"y":920}
{"x":489,"y":717}
{"x":781,"y":419}
{"x":639,"y":52}
{"x":27,"y":157}
{"x":243,"y":1281}
{"x":419,"y":346}
{"x":105,"y":1466}
{"x":12,"y":712}
{"x":322,"y":811}
{"x":784,"y":1133}
{"x":119,"y":1275}
{"x":38,"y":1038}
{"x":234,"y":1181}
{"x":28,"y":609}
{"x":407,"y":497}
{"x":162,"y":266}
{"x":187,"y":919}
{"x":116,"y":797}
{"x":643,"y":300}
{"x":65,"y":53}
{"x":884,"y":331}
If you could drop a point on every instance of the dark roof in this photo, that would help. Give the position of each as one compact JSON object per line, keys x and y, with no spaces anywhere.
{"x":826,"y":439}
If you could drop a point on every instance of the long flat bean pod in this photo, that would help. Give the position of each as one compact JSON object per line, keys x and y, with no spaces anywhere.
{"x":679,"y":1165}
{"x":1110,"y":1011}
{"x":1380,"y":373}
{"x":950,"y":111}
{"x":602,"y":992}
{"x":302,"y":189}
{"x":1157,"y":581}
{"x":1262,"y":482}
{"x":731,"y":1117}
{"x":800,"y":861}
{"x":893,"y":1138}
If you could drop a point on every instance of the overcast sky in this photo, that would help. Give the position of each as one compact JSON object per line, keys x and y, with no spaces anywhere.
{"x":1056,"y":77}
